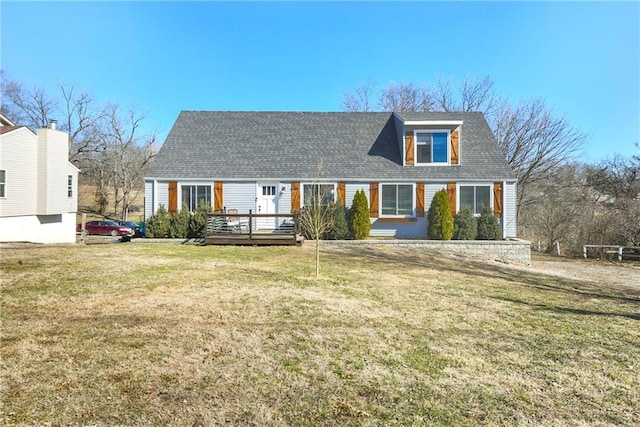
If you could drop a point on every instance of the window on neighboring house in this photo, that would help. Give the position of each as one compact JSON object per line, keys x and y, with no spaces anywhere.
{"x":431,"y":147}
{"x":69,"y":185}
{"x":322,"y":192}
{"x":3,"y":182}
{"x":397,"y":199}
{"x":194,"y":195}
{"x":475,"y":197}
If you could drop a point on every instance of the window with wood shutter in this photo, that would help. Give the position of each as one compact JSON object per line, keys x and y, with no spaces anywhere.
{"x":195,"y":195}
{"x":455,"y":147}
{"x":409,"y":148}
{"x":373,"y":202}
{"x":173,"y":197}
{"x":431,"y":147}
{"x":397,"y":199}
{"x":475,"y":197}
{"x":295,"y":197}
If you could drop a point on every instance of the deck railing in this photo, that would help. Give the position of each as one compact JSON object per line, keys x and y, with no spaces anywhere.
{"x":224,"y":228}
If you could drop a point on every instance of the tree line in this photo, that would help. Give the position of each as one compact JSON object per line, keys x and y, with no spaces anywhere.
{"x":560,"y":198}
{"x":106,"y":141}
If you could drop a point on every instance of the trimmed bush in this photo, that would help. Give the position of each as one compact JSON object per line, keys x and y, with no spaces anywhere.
{"x":359,"y":219}
{"x":465,"y":225}
{"x":488,"y":225}
{"x":440,"y":220}
{"x":198,"y":221}
{"x":339,"y":229}
{"x":179,"y":227}
{"x":158,"y":223}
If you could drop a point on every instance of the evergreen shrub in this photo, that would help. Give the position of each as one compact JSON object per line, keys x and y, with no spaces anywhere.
{"x":339,"y":229}
{"x":465,"y":226}
{"x":198,"y":221}
{"x":360,"y":221}
{"x":488,"y":225}
{"x":158,"y":223}
{"x":179,"y":224}
{"x":439,"y":217}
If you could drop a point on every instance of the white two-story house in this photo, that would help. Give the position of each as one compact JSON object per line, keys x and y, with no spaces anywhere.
{"x":38,"y":185}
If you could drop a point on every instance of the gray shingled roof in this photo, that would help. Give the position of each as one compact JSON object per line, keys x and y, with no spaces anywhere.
{"x":211,"y":145}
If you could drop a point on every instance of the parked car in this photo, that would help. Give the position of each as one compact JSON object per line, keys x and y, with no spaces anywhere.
{"x":106,"y":228}
{"x":137,"y":230}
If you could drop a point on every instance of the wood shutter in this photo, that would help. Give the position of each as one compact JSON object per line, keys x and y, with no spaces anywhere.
{"x":217,"y":196}
{"x":455,"y":147}
{"x":408,"y":145}
{"x":420,"y":199}
{"x":342,"y":193}
{"x":497,"y":199}
{"x":451,"y":191}
{"x":295,"y":197}
{"x":173,"y":197}
{"x":373,"y":196}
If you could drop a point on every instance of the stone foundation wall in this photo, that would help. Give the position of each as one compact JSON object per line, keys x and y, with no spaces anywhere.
{"x":511,"y":251}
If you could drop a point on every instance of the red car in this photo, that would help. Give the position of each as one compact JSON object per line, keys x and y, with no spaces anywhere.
{"x":106,"y":228}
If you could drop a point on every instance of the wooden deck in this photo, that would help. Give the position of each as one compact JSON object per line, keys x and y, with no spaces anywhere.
{"x":252,"y":229}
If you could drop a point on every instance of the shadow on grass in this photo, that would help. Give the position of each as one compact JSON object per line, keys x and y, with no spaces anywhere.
{"x":568,"y":310}
{"x":482,"y":270}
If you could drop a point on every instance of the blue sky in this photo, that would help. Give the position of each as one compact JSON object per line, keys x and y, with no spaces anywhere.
{"x":582,"y":58}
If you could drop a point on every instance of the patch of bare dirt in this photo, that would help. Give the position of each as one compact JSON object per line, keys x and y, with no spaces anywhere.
{"x":608,"y":273}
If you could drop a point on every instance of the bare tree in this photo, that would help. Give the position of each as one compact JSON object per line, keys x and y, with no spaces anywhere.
{"x":81,"y":119}
{"x":317,"y":218}
{"x":130,"y":155}
{"x":360,"y":98}
{"x":29,"y":107}
{"x":535,"y":142}
{"x":406,"y":97}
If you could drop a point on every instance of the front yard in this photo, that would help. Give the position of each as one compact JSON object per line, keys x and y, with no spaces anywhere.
{"x":169,"y":334}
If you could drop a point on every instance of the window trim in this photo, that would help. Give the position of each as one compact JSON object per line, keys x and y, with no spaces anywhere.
{"x":70,"y":186}
{"x":473,"y":184}
{"x":302,"y":184}
{"x":191,"y":184}
{"x":3,"y":185}
{"x":431,"y":131}
{"x":413,"y":200}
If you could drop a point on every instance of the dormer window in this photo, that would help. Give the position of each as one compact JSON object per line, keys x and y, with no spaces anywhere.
{"x":432,"y":147}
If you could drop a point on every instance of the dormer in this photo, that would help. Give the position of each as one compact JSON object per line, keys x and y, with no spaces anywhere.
{"x":429,"y":142}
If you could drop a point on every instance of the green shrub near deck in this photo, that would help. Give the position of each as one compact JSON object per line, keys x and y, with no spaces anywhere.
{"x":440,"y":219}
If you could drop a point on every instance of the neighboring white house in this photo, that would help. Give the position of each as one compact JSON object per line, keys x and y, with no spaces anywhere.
{"x":38,"y":185}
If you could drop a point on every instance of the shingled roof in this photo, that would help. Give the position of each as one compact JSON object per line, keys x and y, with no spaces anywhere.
{"x":210,"y":145}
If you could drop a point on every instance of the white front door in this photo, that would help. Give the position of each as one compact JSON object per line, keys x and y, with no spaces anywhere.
{"x":266,"y":203}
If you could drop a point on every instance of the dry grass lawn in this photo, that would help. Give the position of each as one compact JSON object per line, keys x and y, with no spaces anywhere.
{"x":168,"y":334}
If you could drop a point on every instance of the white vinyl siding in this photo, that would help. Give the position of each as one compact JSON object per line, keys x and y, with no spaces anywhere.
{"x":350,"y":190}
{"x":284,"y":202}
{"x":148,"y":199}
{"x":410,"y":229}
{"x":430,"y":191}
{"x":509,"y":210}
{"x":163,"y":195}
{"x":240,"y":196}
{"x":18,"y":157}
